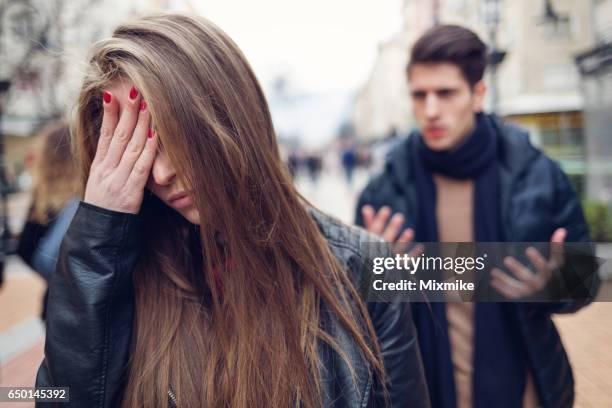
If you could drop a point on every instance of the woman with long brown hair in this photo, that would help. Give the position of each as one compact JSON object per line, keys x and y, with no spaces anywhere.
{"x":193,"y":273}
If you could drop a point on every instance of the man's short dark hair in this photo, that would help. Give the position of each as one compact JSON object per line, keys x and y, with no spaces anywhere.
{"x":451,"y":44}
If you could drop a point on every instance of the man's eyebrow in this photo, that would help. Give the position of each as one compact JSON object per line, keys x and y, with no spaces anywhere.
{"x":437,"y":91}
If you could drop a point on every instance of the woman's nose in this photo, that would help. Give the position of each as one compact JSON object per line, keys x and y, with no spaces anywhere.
{"x":163,"y":172}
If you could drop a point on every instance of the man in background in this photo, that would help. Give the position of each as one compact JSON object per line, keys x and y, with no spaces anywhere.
{"x":464,"y":176}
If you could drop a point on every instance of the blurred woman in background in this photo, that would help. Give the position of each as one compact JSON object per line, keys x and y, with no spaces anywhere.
{"x":54,"y":191}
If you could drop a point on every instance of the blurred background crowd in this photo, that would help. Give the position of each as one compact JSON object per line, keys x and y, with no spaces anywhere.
{"x":334,"y":76}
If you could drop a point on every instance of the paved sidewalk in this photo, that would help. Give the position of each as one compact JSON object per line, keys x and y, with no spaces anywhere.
{"x":21,"y":333}
{"x":587,"y":337}
{"x":21,"y":372}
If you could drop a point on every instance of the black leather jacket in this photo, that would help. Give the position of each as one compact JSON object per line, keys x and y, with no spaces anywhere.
{"x":91,"y":308}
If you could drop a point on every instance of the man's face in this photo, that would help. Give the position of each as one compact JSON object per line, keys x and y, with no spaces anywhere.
{"x":444,"y":104}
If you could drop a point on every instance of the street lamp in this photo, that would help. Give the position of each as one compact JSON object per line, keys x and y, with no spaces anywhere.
{"x":491,"y":11}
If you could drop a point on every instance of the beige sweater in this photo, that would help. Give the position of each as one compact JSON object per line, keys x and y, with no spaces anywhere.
{"x":454,"y":214}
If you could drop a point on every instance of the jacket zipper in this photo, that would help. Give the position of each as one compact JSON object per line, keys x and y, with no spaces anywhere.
{"x":172,"y":398}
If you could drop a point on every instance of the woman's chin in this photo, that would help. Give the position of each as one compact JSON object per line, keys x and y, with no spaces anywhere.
{"x":191,"y":215}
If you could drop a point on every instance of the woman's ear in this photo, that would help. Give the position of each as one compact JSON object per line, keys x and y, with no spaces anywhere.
{"x":478,"y":95}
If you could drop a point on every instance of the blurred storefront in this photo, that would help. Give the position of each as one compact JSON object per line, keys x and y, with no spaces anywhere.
{"x":560,"y":135}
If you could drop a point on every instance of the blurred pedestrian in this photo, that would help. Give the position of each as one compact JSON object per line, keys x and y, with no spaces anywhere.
{"x":193,"y":273}
{"x":349,"y":161}
{"x":293,"y":163}
{"x":465,"y":176}
{"x":54,"y":197}
{"x":314,"y":164}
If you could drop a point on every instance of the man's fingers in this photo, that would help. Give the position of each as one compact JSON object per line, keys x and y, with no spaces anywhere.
{"x":501,"y":289}
{"x":521,"y":272}
{"x":142,"y":168}
{"x":403,"y":241}
{"x":124,"y":130}
{"x":393,"y":228}
{"x":556,"y":247}
{"x":417,"y":250}
{"x":377,"y":225}
{"x":541,"y":264}
{"x":136,"y":144}
{"x":559,"y":235}
{"x":367,"y":211}
{"x":110,"y":118}
{"x":506,"y":285}
{"x":407,"y":236}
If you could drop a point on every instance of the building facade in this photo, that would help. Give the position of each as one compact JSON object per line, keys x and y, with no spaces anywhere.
{"x":382,"y":106}
{"x":43,"y":49}
{"x":595,"y":65}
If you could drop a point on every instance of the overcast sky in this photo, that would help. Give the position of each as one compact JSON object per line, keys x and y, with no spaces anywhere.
{"x":322,"y":45}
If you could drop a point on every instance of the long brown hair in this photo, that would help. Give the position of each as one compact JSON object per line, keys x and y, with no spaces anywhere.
{"x":55,"y":176}
{"x":228,"y":313}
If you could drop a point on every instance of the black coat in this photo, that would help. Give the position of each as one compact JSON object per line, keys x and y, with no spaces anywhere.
{"x":536,"y":199}
{"x":29,"y":239}
{"x":91,"y":309}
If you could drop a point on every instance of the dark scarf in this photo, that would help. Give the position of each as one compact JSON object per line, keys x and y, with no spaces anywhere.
{"x":499,"y":368}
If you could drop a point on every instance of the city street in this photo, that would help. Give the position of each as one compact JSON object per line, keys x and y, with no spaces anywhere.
{"x":507,"y":104}
{"x":586,"y":335}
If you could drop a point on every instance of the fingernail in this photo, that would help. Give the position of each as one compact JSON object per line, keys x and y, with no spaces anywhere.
{"x":107,"y":97}
{"x":150,"y":133}
{"x":133,"y":93}
{"x":143,"y":105}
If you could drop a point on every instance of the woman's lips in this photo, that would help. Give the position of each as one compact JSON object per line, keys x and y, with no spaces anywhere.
{"x":181,"y":201}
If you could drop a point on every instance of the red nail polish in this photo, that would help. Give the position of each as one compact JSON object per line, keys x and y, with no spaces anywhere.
{"x":107,"y":97}
{"x":133,"y":93}
{"x":143,"y":105}
{"x":150,"y":133}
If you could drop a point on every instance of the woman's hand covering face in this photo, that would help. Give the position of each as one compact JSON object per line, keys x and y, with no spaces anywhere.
{"x":125,"y":154}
